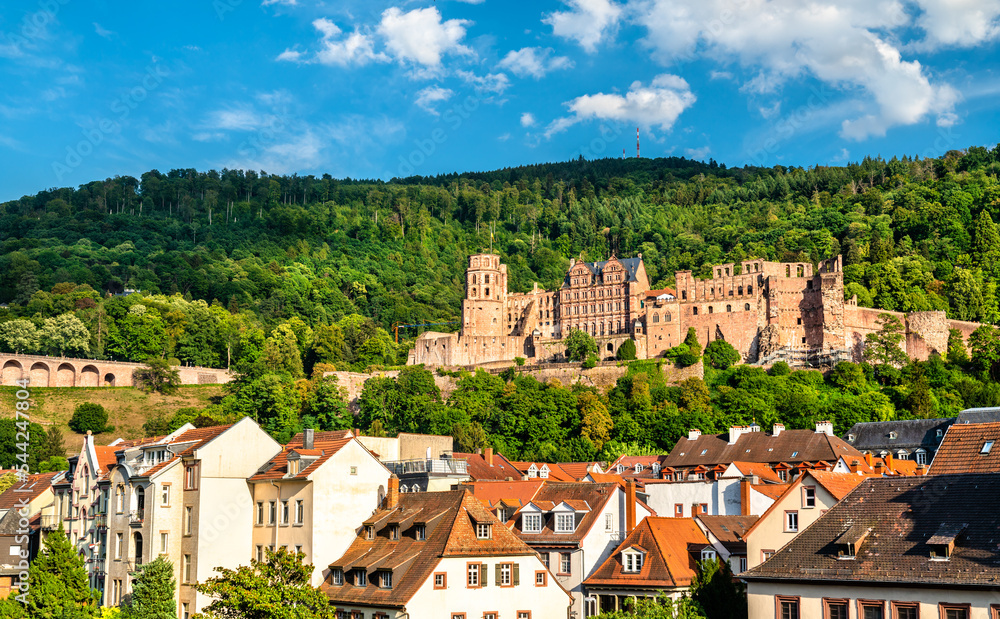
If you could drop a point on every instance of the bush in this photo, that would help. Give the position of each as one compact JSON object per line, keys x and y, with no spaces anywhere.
{"x":721,"y":355}
{"x":780,"y":369}
{"x":590,"y":362}
{"x":626,"y":352}
{"x":90,"y":416}
{"x":519,"y":361}
{"x":579,"y":344}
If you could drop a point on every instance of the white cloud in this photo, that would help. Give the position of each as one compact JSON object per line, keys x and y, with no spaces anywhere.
{"x":102,"y":32}
{"x":240,"y":119}
{"x":491,"y":82}
{"x":420,"y":36}
{"x":357,"y":48}
{"x":959,"y":23}
{"x":658,"y":104}
{"x":504,"y":137}
{"x":720,"y":75}
{"x":427,"y":97}
{"x":533,"y":61}
{"x":587,"y":21}
{"x":528,"y":119}
{"x":697,"y":153}
{"x":846,"y":44}
{"x":284,"y":2}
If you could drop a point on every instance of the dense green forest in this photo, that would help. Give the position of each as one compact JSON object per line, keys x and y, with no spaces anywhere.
{"x":278,"y":276}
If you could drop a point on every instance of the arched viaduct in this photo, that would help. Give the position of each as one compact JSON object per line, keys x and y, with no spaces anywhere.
{"x":67,"y":372}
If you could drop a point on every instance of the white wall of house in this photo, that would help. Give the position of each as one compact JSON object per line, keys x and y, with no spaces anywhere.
{"x":722,"y":496}
{"x":550,"y":601}
{"x":759,"y":502}
{"x":770,"y":532}
{"x":761,"y":598}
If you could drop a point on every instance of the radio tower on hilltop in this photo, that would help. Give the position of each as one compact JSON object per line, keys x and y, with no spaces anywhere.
{"x":637,"y":142}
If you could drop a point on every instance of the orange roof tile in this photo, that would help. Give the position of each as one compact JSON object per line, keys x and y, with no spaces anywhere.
{"x":837,"y":484}
{"x":760,"y":469}
{"x":670,"y":544}
{"x":961,"y":450}
{"x":518,"y":493}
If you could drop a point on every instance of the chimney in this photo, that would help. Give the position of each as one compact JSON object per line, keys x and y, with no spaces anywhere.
{"x":869,"y":459}
{"x":855,"y":465}
{"x":735,"y":432}
{"x":572,"y":261}
{"x":888,"y":462}
{"x":357,"y":432}
{"x":693,"y":434}
{"x":307,"y":438}
{"x":745,"y":496}
{"x":630,"y":506}
{"x":392,"y":498}
{"x":921,"y":469}
{"x":489,"y":456}
{"x":778,"y":429}
{"x":824,"y":427}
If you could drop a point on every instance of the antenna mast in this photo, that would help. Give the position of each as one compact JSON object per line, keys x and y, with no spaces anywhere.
{"x":637,"y":142}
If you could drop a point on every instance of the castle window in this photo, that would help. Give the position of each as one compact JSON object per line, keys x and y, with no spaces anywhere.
{"x":487,"y":290}
{"x":729,"y":308}
{"x":473,"y":293}
{"x":746,"y":306}
{"x":656,"y":318}
{"x":788,"y":270}
{"x":711,"y":310}
{"x":666,"y":317}
{"x":749,"y":289}
{"x":487,"y":279}
{"x":730,"y":292}
{"x":799,"y":271}
{"x":694,"y":310}
{"x":684,"y":294}
{"x":741,"y":290}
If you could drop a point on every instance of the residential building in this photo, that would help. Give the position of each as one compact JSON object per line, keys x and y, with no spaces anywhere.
{"x":184,"y":497}
{"x":313,"y":496}
{"x":639,"y":468}
{"x":407,"y":446}
{"x":488,"y":466}
{"x":440,"y":555}
{"x":727,"y":535}
{"x":969,"y":448}
{"x":870,"y":465}
{"x":659,"y":556}
{"x":803,"y":502}
{"x":985,"y":414}
{"x":573,"y":526}
{"x":782,"y":450}
{"x":692,"y":497}
{"x":33,"y":502}
{"x":900,"y":547}
{"x":429,"y":474}
{"x":905,"y":439}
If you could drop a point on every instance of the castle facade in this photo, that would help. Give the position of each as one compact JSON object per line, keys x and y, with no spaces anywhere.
{"x":768,"y":311}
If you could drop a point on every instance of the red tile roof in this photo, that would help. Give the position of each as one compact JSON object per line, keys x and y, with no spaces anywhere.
{"x":449,"y":519}
{"x":511,"y":493}
{"x":555,"y":471}
{"x":760,"y":469}
{"x":478,"y":469}
{"x":323,"y":450}
{"x":770,"y":490}
{"x":789,"y":447}
{"x":198,"y":437}
{"x":106,"y":457}
{"x":670,"y":545}
{"x":580,"y":496}
{"x":962,"y":447}
{"x":28,"y":490}
{"x":837,"y":484}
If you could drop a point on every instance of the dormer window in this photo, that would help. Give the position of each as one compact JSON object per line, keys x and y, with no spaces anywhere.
{"x":631,"y":561}
{"x":532,"y":471}
{"x":369,"y":532}
{"x":893,"y":435}
{"x":293,"y":467}
{"x":620,"y":469}
{"x":656,"y":468}
{"x":850,"y":541}
{"x":394,"y":531}
{"x":565,"y":523}
{"x":531,"y":523}
{"x":360,"y":578}
{"x":939,"y":433}
{"x":420,"y":532}
{"x":484,"y":530}
{"x":544,"y":473}
{"x":708,"y":554}
{"x":851,"y":437}
{"x":503,"y":515}
{"x":942,"y":543}
{"x":385,"y":579}
{"x":638,"y":468}
{"x":337,"y":576}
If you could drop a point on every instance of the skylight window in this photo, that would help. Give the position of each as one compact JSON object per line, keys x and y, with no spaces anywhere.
{"x":704,"y":451}
{"x":987,"y":446}
{"x":795,"y":453}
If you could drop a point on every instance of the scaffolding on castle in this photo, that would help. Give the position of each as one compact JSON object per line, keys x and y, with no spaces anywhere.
{"x":807,"y":357}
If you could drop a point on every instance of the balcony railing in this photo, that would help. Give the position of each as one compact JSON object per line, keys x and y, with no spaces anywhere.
{"x":96,"y":566}
{"x":136,"y":517}
{"x":50,"y":523}
{"x":443,"y":466}
{"x":101,"y":521}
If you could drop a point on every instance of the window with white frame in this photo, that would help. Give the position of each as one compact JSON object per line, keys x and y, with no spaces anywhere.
{"x":532,"y":471}
{"x":164,"y":542}
{"x":420,"y":532}
{"x":165,"y":495}
{"x":484,"y":530}
{"x":708,"y":554}
{"x":920,"y":456}
{"x":544,"y":472}
{"x":791,"y":522}
{"x":631,"y":561}
{"x":531,"y":523}
{"x":360,"y":578}
{"x":337,"y":576}
{"x":609,"y":522}
{"x":565,"y":563}
{"x":808,"y":496}
{"x":565,"y":523}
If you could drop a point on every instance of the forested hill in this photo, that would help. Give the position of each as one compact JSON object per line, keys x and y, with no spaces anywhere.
{"x":306,"y":252}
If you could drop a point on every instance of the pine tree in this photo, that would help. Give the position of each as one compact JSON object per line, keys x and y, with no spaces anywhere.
{"x":153,"y":592}
{"x":59,"y":587}
{"x":986,"y":244}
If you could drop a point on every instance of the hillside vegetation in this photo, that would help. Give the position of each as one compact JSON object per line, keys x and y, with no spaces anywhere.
{"x":281,"y":276}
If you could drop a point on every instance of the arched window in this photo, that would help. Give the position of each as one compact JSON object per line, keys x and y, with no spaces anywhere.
{"x":729,"y":308}
{"x":474,"y":292}
{"x":667,"y":317}
{"x":656,"y":318}
{"x":694,"y":310}
{"x":746,"y":306}
{"x":487,"y":280}
{"x":711,"y":309}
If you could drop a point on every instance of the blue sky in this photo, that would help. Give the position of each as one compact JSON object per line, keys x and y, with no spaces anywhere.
{"x":372,"y":89}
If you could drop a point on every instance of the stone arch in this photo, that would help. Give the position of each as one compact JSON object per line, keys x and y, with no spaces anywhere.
{"x":611,"y":347}
{"x":90,"y":377}
{"x":12,"y":372}
{"x":109,"y":380}
{"x":39,"y":374}
{"x":65,"y":375}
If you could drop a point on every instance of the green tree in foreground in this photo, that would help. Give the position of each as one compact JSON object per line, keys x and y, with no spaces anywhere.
{"x":626,"y":352}
{"x":721,"y":355}
{"x":882,"y":348}
{"x":719,"y":594}
{"x":89,"y":416}
{"x":662,"y":607}
{"x":579,"y":345}
{"x":276,"y":588}
{"x":59,"y":587}
{"x":157,"y":376}
{"x":152,"y":592}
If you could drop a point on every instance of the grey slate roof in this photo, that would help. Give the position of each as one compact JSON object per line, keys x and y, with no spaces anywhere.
{"x":987,"y":414}
{"x":910,"y":434}
{"x":631,"y":266}
{"x":903,"y":517}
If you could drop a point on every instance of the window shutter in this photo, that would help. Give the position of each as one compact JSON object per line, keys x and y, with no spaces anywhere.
{"x":483,"y":575}
{"x":496,"y":574}
{"x":517,"y":574}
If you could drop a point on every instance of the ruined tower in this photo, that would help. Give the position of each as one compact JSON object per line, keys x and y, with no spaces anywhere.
{"x":485,"y":296}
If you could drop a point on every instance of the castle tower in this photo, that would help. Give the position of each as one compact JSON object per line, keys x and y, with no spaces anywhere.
{"x":485,"y":296}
